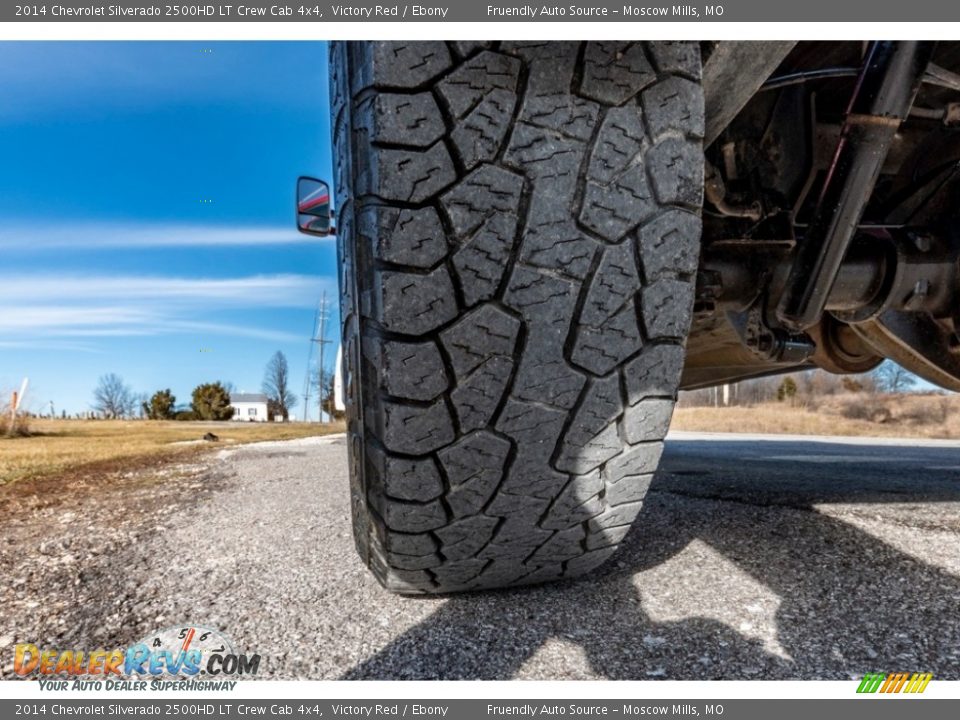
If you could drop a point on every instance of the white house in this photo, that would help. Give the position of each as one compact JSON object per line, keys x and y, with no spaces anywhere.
{"x":249,"y":407}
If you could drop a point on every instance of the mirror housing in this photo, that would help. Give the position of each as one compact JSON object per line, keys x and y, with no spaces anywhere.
{"x":314,"y":216}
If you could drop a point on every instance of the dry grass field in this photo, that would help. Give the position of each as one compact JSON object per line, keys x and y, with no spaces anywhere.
{"x":67,"y":446}
{"x":859,"y":414}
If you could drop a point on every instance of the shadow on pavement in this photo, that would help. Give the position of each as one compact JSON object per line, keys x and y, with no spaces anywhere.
{"x":842,"y":602}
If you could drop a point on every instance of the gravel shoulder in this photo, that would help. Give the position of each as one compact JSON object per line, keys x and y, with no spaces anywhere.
{"x":781,"y":559}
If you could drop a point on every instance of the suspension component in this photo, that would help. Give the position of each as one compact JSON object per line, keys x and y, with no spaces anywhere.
{"x":906,"y":271}
{"x":892,"y":290}
{"x":884,"y":93}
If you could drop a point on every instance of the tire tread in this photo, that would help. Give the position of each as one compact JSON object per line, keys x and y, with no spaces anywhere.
{"x":518,"y":236}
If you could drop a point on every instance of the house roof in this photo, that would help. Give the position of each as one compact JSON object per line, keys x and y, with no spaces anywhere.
{"x":248,"y":398}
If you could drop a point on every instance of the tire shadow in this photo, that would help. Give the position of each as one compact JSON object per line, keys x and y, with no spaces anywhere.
{"x":728,"y":528}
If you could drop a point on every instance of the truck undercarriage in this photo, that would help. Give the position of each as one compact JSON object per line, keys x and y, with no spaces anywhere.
{"x":830,"y":215}
{"x":541,"y":242}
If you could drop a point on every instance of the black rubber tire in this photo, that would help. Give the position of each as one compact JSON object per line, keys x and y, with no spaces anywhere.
{"x":519,"y":234}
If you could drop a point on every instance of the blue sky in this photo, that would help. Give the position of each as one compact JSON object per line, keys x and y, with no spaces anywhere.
{"x":146,"y":214}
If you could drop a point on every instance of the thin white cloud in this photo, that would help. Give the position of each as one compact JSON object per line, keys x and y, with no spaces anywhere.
{"x":48,"y":308}
{"x":284,"y":290}
{"x":48,"y":345}
{"x":232,"y":330}
{"x":15,"y":318}
{"x":39,"y":325}
{"x":33,"y":236}
{"x":101,"y":332}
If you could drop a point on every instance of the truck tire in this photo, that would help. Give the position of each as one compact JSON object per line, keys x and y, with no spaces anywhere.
{"x":518,"y":231}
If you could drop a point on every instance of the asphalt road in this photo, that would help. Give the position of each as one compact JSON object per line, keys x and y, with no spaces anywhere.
{"x":753,"y":558}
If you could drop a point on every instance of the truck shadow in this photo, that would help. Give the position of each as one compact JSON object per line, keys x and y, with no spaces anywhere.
{"x":729,"y":531}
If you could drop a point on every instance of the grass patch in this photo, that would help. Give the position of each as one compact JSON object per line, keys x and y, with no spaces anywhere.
{"x":854,"y":414}
{"x":56,"y":447}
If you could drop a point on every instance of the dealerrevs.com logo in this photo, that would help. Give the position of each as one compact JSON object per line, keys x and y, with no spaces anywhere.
{"x":887,"y":683}
{"x":172,"y":654}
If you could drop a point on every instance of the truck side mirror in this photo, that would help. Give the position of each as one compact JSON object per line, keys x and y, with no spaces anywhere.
{"x":313,"y":207}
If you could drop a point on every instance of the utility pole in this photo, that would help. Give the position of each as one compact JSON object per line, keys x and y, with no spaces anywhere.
{"x":306,"y":377}
{"x":322,"y":341}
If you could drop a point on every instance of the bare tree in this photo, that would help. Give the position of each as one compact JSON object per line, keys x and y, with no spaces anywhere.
{"x":327,"y":393}
{"x":892,"y":378}
{"x":113,"y":398}
{"x":276,"y":384}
